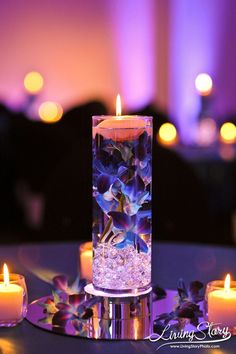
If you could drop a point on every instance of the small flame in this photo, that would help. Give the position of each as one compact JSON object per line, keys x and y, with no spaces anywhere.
{"x":227,"y":283}
{"x":6,"y":275}
{"x":118,"y":105}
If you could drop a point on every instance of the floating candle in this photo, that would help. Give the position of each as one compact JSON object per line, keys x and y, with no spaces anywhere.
{"x":122,"y":128}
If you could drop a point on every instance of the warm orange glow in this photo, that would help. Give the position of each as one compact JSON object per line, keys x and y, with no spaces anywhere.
{"x":227,"y":152}
{"x":50,"y":112}
{"x":86,"y":259}
{"x":227,"y":283}
{"x":33,"y":82}
{"x":228,"y":133}
{"x":8,"y":346}
{"x":203,"y":84}
{"x":118,"y":105}
{"x":167,"y":134}
{"x":6,"y":274}
{"x":136,"y":328}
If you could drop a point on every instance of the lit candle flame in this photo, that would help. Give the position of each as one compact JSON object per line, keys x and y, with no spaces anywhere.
{"x":227,"y":283}
{"x":6,"y":274}
{"x":118,"y":105}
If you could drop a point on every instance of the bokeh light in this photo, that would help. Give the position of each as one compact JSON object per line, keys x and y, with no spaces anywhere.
{"x":227,"y":152}
{"x":50,"y":112}
{"x":33,"y":82}
{"x":207,"y":132}
{"x":203,"y":84}
{"x":167,"y":134}
{"x":228,"y":133}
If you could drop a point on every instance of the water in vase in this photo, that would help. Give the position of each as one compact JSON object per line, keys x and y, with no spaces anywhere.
{"x":122,"y":177}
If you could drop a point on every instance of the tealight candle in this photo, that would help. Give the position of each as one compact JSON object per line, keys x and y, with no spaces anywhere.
{"x":86,"y":256}
{"x":12,"y":298}
{"x":222,"y":305}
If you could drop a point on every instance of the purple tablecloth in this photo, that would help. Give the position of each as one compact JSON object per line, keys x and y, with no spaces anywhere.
{"x":40,"y":262}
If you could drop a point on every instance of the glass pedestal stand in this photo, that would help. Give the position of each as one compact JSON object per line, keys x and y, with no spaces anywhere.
{"x":120,"y":317}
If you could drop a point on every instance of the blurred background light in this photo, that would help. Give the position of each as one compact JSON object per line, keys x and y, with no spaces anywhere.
{"x":207,"y":132}
{"x":50,"y":112}
{"x":33,"y":82}
{"x":228,"y":133}
{"x":203,"y":84}
{"x":227,"y":152}
{"x":167,"y":134}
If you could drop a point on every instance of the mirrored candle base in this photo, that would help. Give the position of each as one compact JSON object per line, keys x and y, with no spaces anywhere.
{"x":113,"y":318}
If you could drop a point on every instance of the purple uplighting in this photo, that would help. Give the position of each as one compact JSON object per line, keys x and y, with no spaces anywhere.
{"x":149,"y":51}
{"x":193,"y":49}
{"x":133,"y":27}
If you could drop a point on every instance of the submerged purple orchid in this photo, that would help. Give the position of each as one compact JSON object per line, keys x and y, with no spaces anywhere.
{"x":125,"y":224}
{"x":122,"y":192}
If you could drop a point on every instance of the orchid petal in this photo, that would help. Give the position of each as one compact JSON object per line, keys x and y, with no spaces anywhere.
{"x":125,"y":174}
{"x":134,"y":186}
{"x":61,"y":317}
{"x":60,"y":282}
{"x":142,"y":197}
{"x":134,"y":240}
{"x":144,"y":226}
{"x":105,"y":205}
{"x":103,"y":183}
{"x":63,"y":306}
{"x":140,"y":152}
{"x":121,"y":221}
{"x":78,"y":285}
{"x":78,"y":325}
{"x":76,"y":299}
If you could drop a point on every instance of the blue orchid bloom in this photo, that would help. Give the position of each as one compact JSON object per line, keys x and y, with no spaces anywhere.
{"x":142,"y":152}
{"x":127,"y":224}
{"x":109,"y":189}
{"x":122,"y":169}
{"x":107,"y":162}
{"x":135,"y":195}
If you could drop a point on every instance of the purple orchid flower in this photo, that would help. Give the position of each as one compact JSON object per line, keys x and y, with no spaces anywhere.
{"x":108,"y":162}
{"x":60,"y":283}
{"x":143,"y":158}
{"x":127,"y":224}
{"x":135,"y":195}
{"x":76,"y":310}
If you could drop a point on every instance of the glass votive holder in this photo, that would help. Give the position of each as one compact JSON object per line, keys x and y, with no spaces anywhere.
{"x":13,"y":300}
{"x":220,"y":305}
{"x":85,"y":260}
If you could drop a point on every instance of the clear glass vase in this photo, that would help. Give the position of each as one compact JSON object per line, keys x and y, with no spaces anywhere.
{"x":122,"y":179}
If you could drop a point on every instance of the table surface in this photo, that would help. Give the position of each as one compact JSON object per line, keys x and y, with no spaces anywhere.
{"x":40,"y":262}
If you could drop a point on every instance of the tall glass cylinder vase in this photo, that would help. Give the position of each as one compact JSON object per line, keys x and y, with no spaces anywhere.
{"x":122,"y":179}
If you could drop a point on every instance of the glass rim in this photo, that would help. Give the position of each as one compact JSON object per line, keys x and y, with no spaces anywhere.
{"x":131,"y":117}
{"x":219,"y":284}
{"x":13,"y":277}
